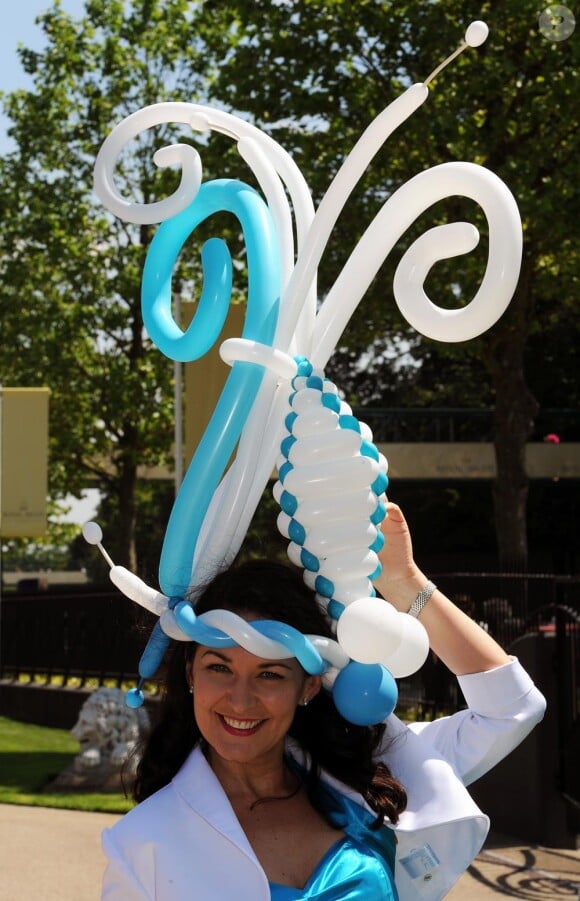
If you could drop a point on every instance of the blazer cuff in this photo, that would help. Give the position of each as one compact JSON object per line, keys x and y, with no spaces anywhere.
{"x":497,"y":691}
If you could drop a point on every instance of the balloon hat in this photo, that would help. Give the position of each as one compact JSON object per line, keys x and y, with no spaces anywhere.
{"x":277,"y":406}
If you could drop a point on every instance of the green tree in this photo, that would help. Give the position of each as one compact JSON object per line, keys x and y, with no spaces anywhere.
{"x":51,"y":552}
{"x":70,"y":273}
{"x":315,"y":73}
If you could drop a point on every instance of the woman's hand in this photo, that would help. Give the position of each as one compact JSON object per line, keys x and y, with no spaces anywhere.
{"x":456,"y":639}
{"x":401,"y":579}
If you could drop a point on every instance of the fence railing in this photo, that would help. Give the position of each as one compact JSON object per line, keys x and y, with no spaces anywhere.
{"x":78,"y":637}
{"x":74,"y":637}
{"x":508,"y":606}
{"x":99,"y":638}
{"x":442,"y":424}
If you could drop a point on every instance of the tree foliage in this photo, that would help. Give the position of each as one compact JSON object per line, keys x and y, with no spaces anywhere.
{"x":313,"y":73}
{"x":70,"y":273}
{"x":49,"y":553}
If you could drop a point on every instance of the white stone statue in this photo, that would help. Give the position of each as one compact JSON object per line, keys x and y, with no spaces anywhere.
{"x":108,"y":732}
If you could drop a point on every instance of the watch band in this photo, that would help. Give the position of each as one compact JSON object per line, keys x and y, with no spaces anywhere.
{"x":421,"y":599}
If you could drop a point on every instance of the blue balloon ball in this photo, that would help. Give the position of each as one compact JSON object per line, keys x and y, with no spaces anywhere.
{"x":365,"y":693}
{"x":134,"y":698}
{"x":304,"y":366}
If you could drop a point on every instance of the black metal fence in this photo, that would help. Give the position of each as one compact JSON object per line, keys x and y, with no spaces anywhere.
{"x":508,"y":606}
{"x":561,"y":625}
{"x":404,"y":424}
{"x":75,"y":637}
{"x":95,"y":638}
{"x":100,"y":637}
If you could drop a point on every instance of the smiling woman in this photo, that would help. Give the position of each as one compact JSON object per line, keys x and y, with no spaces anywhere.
{"x":253,"y":786}
{"x":240,"y":708}
{"x":237,"y":695}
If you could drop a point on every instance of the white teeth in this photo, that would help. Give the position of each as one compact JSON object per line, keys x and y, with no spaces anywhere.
{"x":241,"y":724}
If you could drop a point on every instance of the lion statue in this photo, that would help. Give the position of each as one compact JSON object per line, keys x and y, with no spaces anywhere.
{"x":108,"y":732}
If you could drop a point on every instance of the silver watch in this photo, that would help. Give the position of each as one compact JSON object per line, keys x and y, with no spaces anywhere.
{"x":421,"y":599}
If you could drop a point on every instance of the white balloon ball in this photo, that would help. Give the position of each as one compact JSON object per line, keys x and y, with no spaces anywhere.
{"x":347,"y":565}
{"x":369,"y":630}
{"x":324,"y":447}
{"x":92,"y":533}
{"x":411,"y":653}
{"x":476,"y":34}
{"x":309,"y":578}
{"x":347,"y":591}
{"x":330,"y":537}
{"x":307,"y":399}
{"x":283,"y":522}
{"x":294,"y":552}
{"x":314,"y":422}
{"x":299,"y":382}
{"x":365,"y":431}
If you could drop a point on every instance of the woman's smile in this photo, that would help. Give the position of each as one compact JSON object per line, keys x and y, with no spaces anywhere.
{"x":240,"y":727}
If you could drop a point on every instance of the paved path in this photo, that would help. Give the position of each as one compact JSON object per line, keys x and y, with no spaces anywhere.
{"x":510,"y":868}
{"x":51,"y":855}
{"x":55,"y":855}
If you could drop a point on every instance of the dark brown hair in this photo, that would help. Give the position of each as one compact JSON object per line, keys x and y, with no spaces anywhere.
{"x":271,"y":591}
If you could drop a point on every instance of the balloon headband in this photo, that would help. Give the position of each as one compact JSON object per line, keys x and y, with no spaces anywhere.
{"x":277,"y":407}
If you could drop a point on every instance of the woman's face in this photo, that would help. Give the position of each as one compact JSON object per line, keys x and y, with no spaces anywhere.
{"x":244,"y":705}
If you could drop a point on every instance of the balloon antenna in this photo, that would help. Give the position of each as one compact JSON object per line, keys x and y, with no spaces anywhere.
{"x":93,"y":534}
{"x":475,"y":36}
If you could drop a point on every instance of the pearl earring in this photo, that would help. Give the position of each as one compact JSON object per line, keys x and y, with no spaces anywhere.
{"x":305,"y":702}
{"x":191,"y":689}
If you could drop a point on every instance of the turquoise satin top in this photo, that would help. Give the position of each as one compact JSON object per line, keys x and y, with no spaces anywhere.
{"x":358,"y":867}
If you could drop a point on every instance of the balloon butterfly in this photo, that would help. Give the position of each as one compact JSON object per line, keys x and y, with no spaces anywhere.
{"x":277,"y":406}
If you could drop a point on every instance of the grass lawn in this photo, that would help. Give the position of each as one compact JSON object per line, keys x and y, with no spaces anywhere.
{"x":31,"y":756}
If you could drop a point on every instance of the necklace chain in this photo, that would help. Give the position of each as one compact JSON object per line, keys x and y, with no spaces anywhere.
{"x":292,"y":794}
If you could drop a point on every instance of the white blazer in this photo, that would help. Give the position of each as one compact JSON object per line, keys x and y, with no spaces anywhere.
{"x":184,"y":843}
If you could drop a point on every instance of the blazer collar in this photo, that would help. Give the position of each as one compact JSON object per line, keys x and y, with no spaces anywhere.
{"x":199,"y":787}
{"x":435,"y":793}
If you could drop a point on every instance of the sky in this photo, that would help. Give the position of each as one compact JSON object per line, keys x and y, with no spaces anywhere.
{"x":18,"y":28}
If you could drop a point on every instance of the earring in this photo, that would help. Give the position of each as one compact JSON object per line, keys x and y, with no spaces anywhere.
{"x":191,"y":689}
{"x":305,"y":702}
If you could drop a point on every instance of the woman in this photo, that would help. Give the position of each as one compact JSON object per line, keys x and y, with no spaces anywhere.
{"x":254,"y":787}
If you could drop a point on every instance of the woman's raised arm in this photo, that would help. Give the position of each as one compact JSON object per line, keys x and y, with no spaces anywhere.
{"x":462,"y":645}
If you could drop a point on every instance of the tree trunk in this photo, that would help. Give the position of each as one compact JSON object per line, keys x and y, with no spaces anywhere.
{"x":515,"y":411}
{"x":127,"y":483}
{"x":130,"y":441}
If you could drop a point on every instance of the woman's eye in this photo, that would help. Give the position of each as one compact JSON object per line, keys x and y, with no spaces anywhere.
{"x":218,"y":668}
{"x":269,"y":674}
